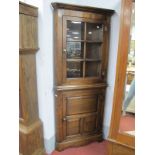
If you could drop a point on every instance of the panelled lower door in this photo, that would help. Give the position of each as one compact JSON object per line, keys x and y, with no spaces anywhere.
{"x":81,"y":113}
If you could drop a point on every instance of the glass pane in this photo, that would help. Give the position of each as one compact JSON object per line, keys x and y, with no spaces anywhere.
{"x":75,"y":50}
{"x":127,"y":121}
{"x":75,"y":30}
{"x":94,"y":32}
{"x":92,"y":69}
{"x":74,"y":69}
{"x":93,"y":51}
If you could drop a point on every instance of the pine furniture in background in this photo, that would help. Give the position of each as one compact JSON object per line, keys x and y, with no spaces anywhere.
{"x":30,"y":126}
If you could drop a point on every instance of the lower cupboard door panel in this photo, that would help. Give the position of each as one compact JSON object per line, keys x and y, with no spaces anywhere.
{"x":89,"y":124}
{"x":73,"y":127}
{"x":80,"y":126}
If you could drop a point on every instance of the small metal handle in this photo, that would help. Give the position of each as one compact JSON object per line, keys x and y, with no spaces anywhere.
{"x":56,"y":95}
{"x":103,"y":73}
{"x":106,"y":28}
{"x":64,"y":119}
{"x":65,"y":51}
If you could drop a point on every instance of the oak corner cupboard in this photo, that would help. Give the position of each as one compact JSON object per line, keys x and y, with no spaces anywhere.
{"x":81,"y":57}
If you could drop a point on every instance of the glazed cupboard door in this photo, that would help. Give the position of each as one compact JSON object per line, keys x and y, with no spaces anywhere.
{"x":81,"y":113}
{"x":83,"y":50}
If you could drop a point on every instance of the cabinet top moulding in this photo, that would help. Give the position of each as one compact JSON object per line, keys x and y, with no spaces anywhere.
{"x":28,"y":9}
{"x":82,"y":8}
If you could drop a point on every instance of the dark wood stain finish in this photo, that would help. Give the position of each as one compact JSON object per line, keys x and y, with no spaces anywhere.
{"x":79,"y":101}
{"x":30,"y":126}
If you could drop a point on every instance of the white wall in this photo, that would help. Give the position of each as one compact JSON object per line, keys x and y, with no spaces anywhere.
{"x":114,"y":38}
{"x":45,"y":63}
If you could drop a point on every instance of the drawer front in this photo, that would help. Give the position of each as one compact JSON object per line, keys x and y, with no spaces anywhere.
{"x":82,"y":112}
{"x":81,"y":104}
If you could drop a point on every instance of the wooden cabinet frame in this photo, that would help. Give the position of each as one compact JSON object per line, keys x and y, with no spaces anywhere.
{"x":114,"y":135}
{"x":79,"y":12}
{"x":72,"y":127}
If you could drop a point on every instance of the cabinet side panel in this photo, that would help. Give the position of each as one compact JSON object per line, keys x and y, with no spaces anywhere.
{"x":58,"y":46}
{"x":58,"y":113}
{"x":28,"y":87}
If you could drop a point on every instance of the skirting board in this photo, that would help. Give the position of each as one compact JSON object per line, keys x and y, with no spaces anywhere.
{"x":50,"y":144}
{"x":105,"y":131}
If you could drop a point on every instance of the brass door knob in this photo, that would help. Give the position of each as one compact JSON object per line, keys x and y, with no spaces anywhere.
{"x":64,"y":50}
{"x":64,"y":119}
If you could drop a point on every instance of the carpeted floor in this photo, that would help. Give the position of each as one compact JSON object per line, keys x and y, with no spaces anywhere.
{"x":95,"y":148}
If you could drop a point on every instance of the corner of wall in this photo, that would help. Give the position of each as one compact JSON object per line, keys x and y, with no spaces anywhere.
{"x":113,"y":49}
{"x":49,"y":145}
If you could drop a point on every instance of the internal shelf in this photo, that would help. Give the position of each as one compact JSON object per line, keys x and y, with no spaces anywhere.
{"x":77,"y":60}
{"x":93,"y":60}
{"x":87,"y":41}
{"x":94,"y":41}
{"x":75,"y":40}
